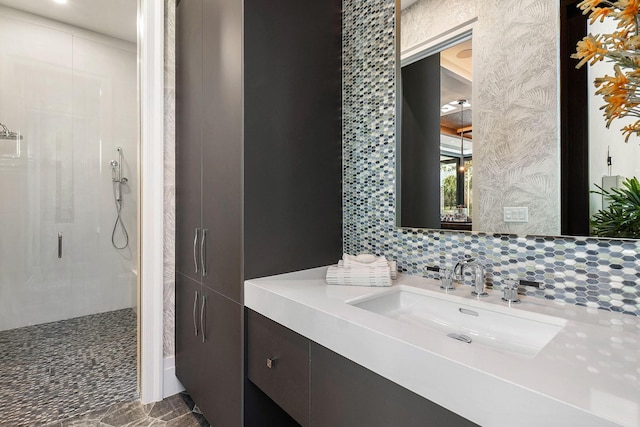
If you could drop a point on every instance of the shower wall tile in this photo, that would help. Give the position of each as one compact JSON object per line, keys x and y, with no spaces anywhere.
{"x":604,"y":274}
{"x":169,"y":180}
{"x":36,"y":83}
{"x":72,"y":96}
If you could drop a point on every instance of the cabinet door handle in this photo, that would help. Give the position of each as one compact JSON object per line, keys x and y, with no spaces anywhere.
{"x":203,"y":322}
{"x":203,"y":252}
{"x":59,"y":245}
{"x":195,"y":308}
{"x":195,"y":248}
{"x":270,"y":362}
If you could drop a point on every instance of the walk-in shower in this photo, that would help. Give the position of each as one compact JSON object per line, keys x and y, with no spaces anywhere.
{"x":68,"y":297}
{"x":118,"y":181}
{"x":68,"y":103}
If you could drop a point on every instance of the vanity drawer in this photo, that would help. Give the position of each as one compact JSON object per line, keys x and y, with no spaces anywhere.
{"x":278,"y":363}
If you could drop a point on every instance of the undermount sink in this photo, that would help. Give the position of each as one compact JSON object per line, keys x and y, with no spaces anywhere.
{"x":474,"y":322}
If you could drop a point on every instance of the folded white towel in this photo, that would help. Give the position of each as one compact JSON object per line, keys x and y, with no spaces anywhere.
{"x":364,"y":260}
{"x":393,"y":266}
{"x":362,"y":270}
{"x":358,"y":276}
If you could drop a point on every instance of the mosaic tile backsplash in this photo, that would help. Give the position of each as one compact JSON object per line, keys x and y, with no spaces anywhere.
{"x":596,"y":273}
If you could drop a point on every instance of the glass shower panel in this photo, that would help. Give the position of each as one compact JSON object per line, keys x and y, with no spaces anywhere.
{"x":104,"y":98}
{"x":74,"y":101}
{"x":35,"y":98}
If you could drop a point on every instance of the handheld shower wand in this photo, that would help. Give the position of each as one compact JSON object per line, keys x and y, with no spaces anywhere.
{"x":118,"y":180}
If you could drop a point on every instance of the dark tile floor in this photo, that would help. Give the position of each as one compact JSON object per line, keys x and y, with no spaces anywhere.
{"x":175,"y":411}
{"x":59,"y":370}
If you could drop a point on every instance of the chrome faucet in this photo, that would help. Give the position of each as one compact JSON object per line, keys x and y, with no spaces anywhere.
{"x":510,"y":291}
{"x":478,"y":275}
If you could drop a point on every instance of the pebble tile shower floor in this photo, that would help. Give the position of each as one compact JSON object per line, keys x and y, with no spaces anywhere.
{"x":56,"y":371}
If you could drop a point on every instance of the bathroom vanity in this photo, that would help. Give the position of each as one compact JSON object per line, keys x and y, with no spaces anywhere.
{"x":319,"y":387}
{"x":330,"y":355}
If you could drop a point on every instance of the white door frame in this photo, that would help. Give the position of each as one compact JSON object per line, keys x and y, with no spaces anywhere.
{"x":151,"y":210}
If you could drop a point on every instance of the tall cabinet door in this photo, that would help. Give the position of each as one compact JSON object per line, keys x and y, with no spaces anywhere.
{"x":221,"y":360}
{"x":222,"y":146}
{"x":189,"y":344}
{"x":189,"y":296}
{"x":189,"y":232}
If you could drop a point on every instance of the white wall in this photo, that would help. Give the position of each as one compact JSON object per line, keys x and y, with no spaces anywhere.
{"x":73,"y":95}
{"x":625,"y":156}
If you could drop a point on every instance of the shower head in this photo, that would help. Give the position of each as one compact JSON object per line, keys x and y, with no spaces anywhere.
{"x":5,"y":133}
{"x":114,"y":164}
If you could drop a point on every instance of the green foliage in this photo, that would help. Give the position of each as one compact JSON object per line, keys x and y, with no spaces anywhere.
{"x":622,"y":217}
{"x":449,"y":191}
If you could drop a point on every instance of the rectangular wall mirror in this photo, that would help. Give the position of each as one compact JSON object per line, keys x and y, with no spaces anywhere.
{"x":490,"y":138}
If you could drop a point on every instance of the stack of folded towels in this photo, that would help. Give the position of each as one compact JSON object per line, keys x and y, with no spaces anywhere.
{"x":362,"y":270}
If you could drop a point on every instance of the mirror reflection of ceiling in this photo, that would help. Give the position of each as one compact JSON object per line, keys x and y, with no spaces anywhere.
{"x":457,"y":59}
{"x":451,"y":124}
{"x":450,"y":146}
{"x":114,"y":18}
{"x":456,"y":75}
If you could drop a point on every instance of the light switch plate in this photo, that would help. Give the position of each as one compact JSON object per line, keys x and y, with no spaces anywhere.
{"x":516,"y":214}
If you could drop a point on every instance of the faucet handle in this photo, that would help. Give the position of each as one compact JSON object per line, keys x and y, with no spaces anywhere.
{"x":510,"y":291}
{"x":446,"y":279}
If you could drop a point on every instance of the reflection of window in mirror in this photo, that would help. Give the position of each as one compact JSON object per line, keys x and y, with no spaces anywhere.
{"x":436,"y":178}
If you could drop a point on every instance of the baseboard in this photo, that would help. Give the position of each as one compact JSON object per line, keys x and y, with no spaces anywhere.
{"x":170,"y":384}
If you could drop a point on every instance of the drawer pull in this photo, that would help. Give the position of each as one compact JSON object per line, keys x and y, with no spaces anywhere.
{"x":271,"y":362}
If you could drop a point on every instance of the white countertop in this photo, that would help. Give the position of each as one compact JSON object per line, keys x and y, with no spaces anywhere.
{"x":588,"y":374}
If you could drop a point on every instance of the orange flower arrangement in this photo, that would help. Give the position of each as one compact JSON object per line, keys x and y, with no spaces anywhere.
{"x":620,"y":92}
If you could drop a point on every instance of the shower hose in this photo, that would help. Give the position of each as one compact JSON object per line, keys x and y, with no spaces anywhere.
{"x":118,"y":199}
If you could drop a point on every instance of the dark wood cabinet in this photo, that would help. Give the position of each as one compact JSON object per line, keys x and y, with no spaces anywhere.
{"x":345,"y":394}
{"x":188,"y":335}
{"x":209,"y":311}
{"x":258,"y":177}
{"x":278,"y":363}
{"x":208,"y":143}
{"x":222,"y":136}
{"x":189,"y":134}
{"x":320,"y":388}
{"x":220,"y":362}
{"x":209,"y":348}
